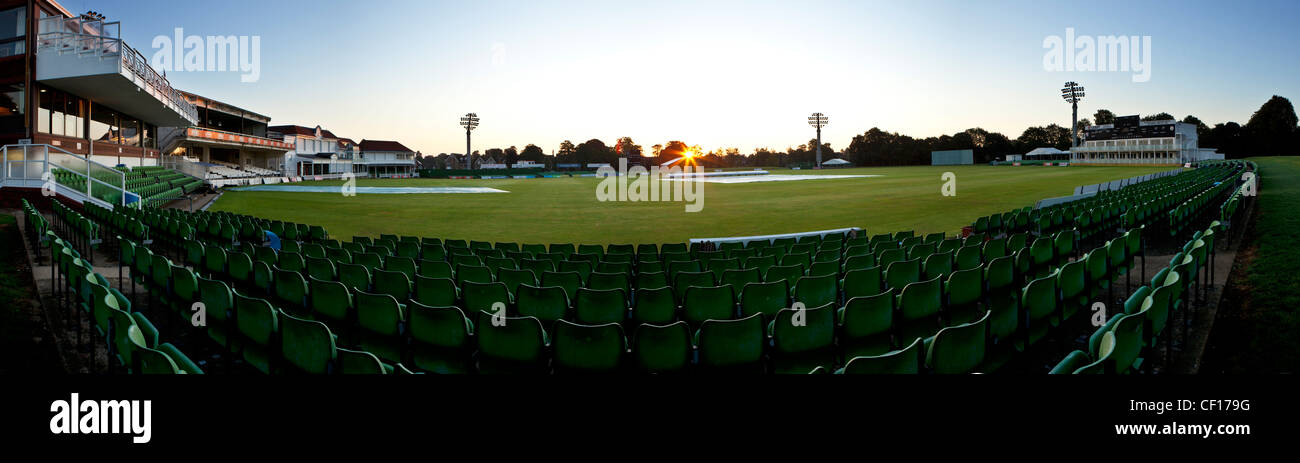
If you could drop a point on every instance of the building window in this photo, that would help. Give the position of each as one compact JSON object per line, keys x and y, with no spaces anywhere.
{"x":13,"y":31}
{"x":12,"y":108}
{"x":103,"y":124}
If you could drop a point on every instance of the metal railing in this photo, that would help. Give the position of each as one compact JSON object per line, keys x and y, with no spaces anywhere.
{"x":35,"y":166}
{"x":100,"y":39}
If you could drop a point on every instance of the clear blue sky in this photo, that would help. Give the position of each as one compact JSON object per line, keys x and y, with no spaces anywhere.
{"x":717,"y":74}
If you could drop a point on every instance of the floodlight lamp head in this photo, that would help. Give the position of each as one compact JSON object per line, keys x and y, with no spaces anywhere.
{"x":818,"y":120}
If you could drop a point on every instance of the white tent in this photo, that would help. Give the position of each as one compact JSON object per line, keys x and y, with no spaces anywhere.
{"x":1045,"y":152}
{"x":837,"y":162}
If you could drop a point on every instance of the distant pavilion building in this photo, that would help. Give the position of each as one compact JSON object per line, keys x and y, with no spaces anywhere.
{"x":1133,"y":141}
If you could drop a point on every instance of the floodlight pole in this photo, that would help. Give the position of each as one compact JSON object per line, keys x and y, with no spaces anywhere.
{"x":818,"y":120}
{"x":819,"y":147}
{"x":470,"y":122}
{"x":1072,"y":92}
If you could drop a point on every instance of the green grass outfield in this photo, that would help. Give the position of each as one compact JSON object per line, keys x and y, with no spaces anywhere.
{"x":1259,"y":336}
{"x":565,"y":210}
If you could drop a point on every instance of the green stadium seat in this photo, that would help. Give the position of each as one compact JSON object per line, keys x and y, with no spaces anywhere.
{"x":994,"y":249}
{"x":937,"y":265}
{"x":686,"y":280}
{"x":355,"y":362}
{"x":908,"y":360}
{"x":330,"y":301}
{"x":1098,"y":271}
{"x":719,"y":266}
{"x":513,"y":278}
{"x":307,"y":345}
{"x":656,"y":306}
{"x":588,"y":348}
{"x":605,"y":281}
{"x":731,"y":344}
{"x":319,"y":268}
{"x":405,"y":265}
{"x":472,"y":274}
{"x":355,"y":276}
{"x":662,"y":348}
{"x":513,"y":345}
{"x":1065,"y":245}
{"x":442,"y":339}
{"x":958,"y":349}
{"x":291,"y":261}
{"x":290,"y":291}
{"x":858,"y":262}
{"x":919,"y":307}
{"x":1042,"y":255}
{"x":259,"y":326}
{"x":738,"y":278}
{"x":1072,"y":282}
{"x":964,"y":293}
{"x":816,"y":291}
{"x":762,"y":263}
{"x":547,"y":304}
{"x":485,"y":296}
{"x":570,"y":281}
{"x":436,"y":292}
{"x":166,"y":359}
{"x":537,"y":266}
{"x":888,"y":256}
{"x":865,"y":325}
{"x":395,"y":284}
{"x":1072,"y":362}
{"x":646,"y":280}
{"x":803,"y":339}
{"x":703,"y":303}
{"x":1039,"y":301}
{"x":787,"y":273}
{"x":598,"y":307}
{"x":219,"y":304}
{"x":902,"y":273}
{"x":382,"y":321}
{"x":1125,"y":353}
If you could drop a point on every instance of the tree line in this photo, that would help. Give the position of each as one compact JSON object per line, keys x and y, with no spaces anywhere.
{"x":1271,"y":130}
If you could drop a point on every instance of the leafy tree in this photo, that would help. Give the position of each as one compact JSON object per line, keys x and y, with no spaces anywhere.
{"x":533,"y":153}
{"x":1273,"y":127}
{"x":1103,"y":117}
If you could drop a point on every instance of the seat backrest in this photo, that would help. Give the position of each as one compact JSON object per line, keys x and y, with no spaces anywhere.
{"x":661,"y":348}
{"x":439,"y":326}
{"x":588,"y":347}
{"x":726,"y":343}
{"x":803,"y":329}
{"x":546,"y":303}
{"x":959,"y":349}
{"x":708,"y":303}
{"x":307,"y":345}
{"x":907,"y":360}
{"x":600,"y":306}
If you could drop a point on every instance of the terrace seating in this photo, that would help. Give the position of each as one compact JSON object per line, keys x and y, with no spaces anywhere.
{"x":941,"y":306}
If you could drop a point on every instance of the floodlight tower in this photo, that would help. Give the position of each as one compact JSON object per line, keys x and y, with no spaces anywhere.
{"x":818,"y":120}
{"x":1073,"y":94}
{"x":469,"y":122}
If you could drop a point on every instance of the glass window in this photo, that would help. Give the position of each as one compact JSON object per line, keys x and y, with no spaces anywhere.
{"x":150,"y":140}
{"x":13,"y":99}
{"x":103,"y":124}
{"x":130,"y":132}
{"x":13,"y":23}
{"x":74,"y":116}
{"x":44,"y":104}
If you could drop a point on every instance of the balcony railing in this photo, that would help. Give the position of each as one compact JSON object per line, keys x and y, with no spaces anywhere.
{"x":99,"y":39}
